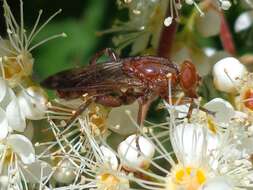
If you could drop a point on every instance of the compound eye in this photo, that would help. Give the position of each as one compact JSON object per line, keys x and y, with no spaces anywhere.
{"x":188,"y":77}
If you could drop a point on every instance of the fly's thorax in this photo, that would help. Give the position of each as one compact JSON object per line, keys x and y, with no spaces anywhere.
{"x":155,"y":73}
{"x":148,"y":68}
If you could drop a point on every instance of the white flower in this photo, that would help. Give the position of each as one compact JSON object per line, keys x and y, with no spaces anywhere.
{"x":19,"y":165}
{"x":146,"y":19}
{"x":227,"y":74}
{"x":21,"y":146}
{"x":14,"y":110}
{"x":15,"y":58}
{"x":15,"y":117}
{"x":189,"y":141}
{"x":10,"y":112}
{"x":222,"y":113}
{"x":3,"y":124}
{"x":203,"y":160}
{"x":223,"y":110}
{"x":217,"y":183}
{"x":33,"y":102}
{"x":243,"y":101}
{"x":98,"y":169}
{"x":136,"y":151}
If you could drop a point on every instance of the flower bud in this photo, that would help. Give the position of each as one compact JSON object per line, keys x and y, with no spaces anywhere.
{"x":227,"y":74}
{"x":65,"y":172}
{"x":136,"y":152}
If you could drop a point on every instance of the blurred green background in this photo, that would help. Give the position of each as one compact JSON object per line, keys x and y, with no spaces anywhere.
{"x":80,"y":20}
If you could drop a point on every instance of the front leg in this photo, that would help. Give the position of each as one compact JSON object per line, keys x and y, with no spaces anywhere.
{"x":108,"y":52}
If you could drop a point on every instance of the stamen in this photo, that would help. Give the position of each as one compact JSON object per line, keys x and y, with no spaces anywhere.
{"x":28,"y":40}
{"x":47,"y":39}
{"x":42,"y":26}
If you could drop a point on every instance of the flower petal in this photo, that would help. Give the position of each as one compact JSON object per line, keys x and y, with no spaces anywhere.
{"x":37,"y":171}
{"x":224,"y":111}
{"x":3,"y":89}
{"x":189,"y":143}
{"x":9,"y":96}
{"x":23,"y":147}
{"x":33,"y":102}
{"x":15,"y":118}
{"x":109,"y":157}
{"x":217,"y":183}
{"x":3,"y":124}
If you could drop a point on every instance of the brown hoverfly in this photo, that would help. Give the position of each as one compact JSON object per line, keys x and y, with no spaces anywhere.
{"x":122,"y":81}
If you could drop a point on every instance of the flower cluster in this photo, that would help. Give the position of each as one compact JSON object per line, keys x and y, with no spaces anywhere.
{"x":210,"y":150}
{"x":148,"y":17}
{"x":21,"y":102}
{"x":199,"y":146}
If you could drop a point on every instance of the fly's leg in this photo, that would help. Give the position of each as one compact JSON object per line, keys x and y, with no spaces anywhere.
{"x":142,"y":112}
{"x":79,"y":111}
{"x":192,"y":105}
{"x":108,"y":52}
{"x":144,"y":104}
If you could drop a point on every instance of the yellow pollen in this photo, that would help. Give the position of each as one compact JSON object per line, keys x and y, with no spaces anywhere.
{"x":188,"y":178}
{"x":17,"y":68}
{"x":108,"y":181}
{"x":98,"y":115}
